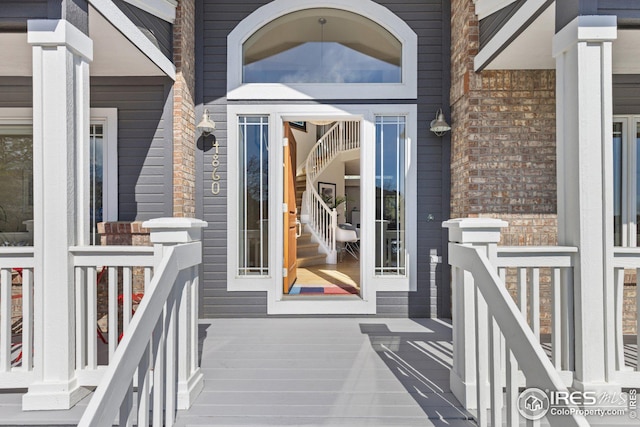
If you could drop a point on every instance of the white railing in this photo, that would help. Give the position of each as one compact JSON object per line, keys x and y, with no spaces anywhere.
{"x":493,"y":342}
{"x":115,"y":269}
{"x":627,"y":369}
{"x":551,"y":267}
{"x":341,"y":137}
{"x":16,"y":317}
{"x":158,"y":355}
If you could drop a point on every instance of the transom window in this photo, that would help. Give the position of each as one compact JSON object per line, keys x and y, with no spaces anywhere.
{"x":322,"y":45}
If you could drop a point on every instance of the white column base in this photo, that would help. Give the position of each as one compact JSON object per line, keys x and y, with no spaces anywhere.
{"x":465,"y":392}
{"x":58,"y":396}
{"x":190,"y":389}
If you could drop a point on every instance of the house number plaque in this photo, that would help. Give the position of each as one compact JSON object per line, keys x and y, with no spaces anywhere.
{"x":215,"y":162}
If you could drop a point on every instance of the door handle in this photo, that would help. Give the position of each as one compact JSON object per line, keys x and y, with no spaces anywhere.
{"x":298,"y":228}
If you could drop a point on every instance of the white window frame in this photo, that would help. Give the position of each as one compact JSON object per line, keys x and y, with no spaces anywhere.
{"x":277,"y":302}
{"x":108,"y":118}
{"x":629,"y":168}
{"x":407,"y":89}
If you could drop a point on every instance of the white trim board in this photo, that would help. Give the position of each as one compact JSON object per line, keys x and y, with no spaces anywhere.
{"x":485,"y":8}
{"x":163,"y":9}
{"x":119,"y":20}
{"x":508,"y":33}
{"x":277,"y":302}
{"x":408,"y":89}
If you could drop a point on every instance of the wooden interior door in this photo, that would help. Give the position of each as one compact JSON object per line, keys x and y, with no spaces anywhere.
{"x":290,"y":246}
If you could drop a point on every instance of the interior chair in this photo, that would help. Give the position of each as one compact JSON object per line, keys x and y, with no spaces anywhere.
{"x":347,"y":236}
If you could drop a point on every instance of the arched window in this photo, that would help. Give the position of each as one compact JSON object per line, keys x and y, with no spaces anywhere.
{"x":310,"y":49}
{"x":322,"y":45}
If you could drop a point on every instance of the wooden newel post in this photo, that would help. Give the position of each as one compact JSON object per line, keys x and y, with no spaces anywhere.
{"x":167,"y":232}
{"x":480,"y":233}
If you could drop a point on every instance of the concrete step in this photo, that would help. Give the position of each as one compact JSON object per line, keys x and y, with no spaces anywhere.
{"x":312,"y":260}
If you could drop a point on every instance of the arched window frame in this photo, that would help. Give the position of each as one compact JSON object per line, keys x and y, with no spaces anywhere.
{"x":407,"y":89}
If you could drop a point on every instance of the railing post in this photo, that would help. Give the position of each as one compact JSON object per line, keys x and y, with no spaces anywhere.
{"x":481,"y":233}
{"x":166,"y":232}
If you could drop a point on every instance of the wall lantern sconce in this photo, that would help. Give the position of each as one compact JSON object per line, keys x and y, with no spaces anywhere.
{"x":439,"y":125}
{"x":206,"y":125}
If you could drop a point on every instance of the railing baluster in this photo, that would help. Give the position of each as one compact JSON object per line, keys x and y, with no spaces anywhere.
{"x":556,"y":325}
{"x":495,"y":372}
{"x":126,"y":408}
{"x":92,"y":318}
{"x":618,"y":283}
{"x":113,"y":310}
{"x":144,"y":386}
{"x":27,"y":319}
{"x":482,"y":349}
{"x":127,"y":296}
{"x":522,"y":291}
{"x":5,"y":320}
{"x":158,"y":371}
{"x":511,"y":388}
{"x":171,"y":358}
{"x":534,"y":297}
{"x":81,"y":318}
{"x":567,"y":321}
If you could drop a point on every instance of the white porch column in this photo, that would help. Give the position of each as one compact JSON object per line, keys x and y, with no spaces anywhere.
{"x":61,"y":56}
{"x":477,"y":232}
{"x":585,"y":186}
{"x":168,"y":232}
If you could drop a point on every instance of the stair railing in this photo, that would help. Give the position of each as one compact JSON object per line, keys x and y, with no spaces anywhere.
{"x":323,"y":220}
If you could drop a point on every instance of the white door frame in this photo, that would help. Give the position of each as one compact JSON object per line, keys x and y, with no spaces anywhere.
{"x":277,"y":303}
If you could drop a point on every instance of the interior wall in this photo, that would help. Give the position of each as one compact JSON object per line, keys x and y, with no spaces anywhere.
{"x":306,"y":141}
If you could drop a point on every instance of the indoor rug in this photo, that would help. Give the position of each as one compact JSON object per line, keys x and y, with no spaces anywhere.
{"x":330,"y":289}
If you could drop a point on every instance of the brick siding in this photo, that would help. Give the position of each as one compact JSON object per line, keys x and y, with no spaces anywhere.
{"x":184,"y":119}
{"x":503,"y":154}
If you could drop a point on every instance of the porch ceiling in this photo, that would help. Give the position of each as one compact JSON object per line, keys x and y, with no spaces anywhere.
{"x":114,"y":54}
{"x":531,"y":50}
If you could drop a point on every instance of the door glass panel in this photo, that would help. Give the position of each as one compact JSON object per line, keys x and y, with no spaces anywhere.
{"x":390,"y":195}
{"x":253,"y":206}
{"x":617,"y":183}
{"x":16,"y":185}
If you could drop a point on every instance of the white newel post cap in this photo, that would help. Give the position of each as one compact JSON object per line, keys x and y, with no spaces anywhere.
{"x":175,"y":230}
{"x":475,"y":230}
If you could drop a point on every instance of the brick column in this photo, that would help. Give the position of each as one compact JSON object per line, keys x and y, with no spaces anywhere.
{"x":184,"y":120}
{"x":503,"y":156}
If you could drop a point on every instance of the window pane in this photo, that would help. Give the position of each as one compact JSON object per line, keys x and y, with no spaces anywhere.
{"x":96,"y":172}
{"x":254,"y":196}
{"x":322,"y":46}
{"x":390,"y":195}
{"x":16,"y":184}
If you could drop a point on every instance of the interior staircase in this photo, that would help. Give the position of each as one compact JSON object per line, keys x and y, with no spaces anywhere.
{"x":320,"y":221}
{"x":307,"y":250}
